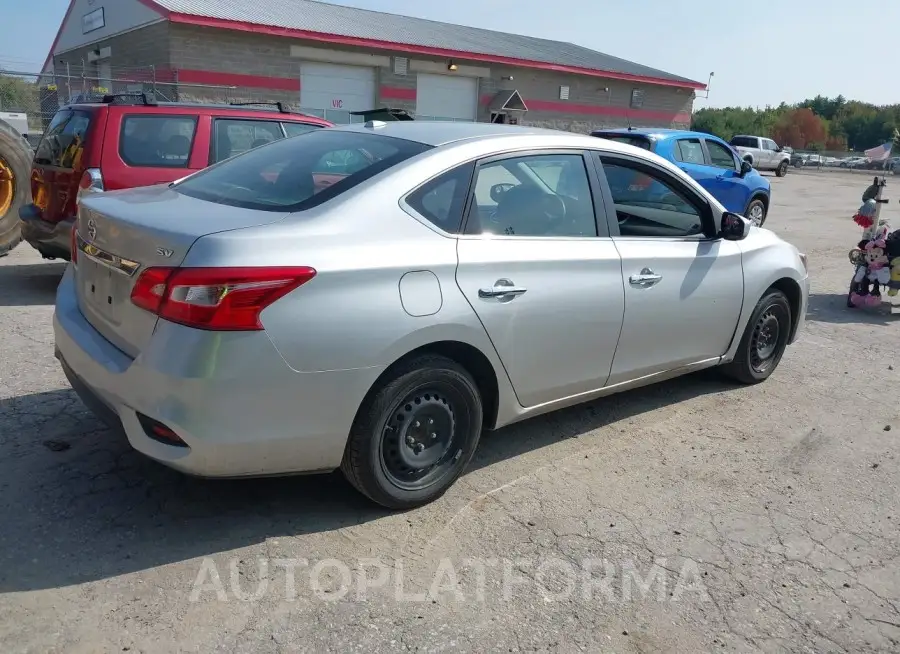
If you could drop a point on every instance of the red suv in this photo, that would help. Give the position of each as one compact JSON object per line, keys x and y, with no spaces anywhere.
{"x":127,"y":141}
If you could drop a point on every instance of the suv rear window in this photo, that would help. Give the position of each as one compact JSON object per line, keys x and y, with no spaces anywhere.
{"x":300,"y":172}
{"x":159,"y":141}
{"x":64,"y":139}
{"x":629,"y":139}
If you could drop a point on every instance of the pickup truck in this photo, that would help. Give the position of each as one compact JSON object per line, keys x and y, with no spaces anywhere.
{"x":762,"y":153}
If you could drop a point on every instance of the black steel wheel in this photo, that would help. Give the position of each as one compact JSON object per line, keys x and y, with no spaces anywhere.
{"x":415,"y":433}
{"x":764,"y":341}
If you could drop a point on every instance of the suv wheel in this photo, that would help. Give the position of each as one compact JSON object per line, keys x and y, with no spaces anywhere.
{"x":756,"y":212}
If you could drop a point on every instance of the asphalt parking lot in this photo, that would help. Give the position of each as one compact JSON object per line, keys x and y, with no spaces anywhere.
{"x":691,"y":516}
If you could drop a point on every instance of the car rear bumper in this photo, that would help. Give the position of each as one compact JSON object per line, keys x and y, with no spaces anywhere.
{"x":52,"y":240}
{"x":231,"y":398}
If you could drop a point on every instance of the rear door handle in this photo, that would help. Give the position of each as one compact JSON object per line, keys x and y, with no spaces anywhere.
{"x":645,"y":279}
{"x":502,"y":289}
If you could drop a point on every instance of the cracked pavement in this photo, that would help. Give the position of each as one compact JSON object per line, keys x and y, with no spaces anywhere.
{"x":693,"y":516}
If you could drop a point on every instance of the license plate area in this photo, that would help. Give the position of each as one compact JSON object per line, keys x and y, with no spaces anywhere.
{"x":101,"y":287}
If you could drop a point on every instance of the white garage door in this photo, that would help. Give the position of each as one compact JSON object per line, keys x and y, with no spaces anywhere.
{"x":446,"y":97}
{"x":332,"y":91}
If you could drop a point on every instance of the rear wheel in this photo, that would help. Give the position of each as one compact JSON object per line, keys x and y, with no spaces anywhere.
{"x":764,"y":341}
{"x":782,"y":169}
{"x":15,"y":168}
{"x":414,"y":434}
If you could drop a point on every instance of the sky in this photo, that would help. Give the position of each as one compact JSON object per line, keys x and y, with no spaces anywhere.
{"x":762,"y":51}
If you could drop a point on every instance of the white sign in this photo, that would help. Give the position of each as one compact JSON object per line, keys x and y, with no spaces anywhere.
{"x":93,"y":20}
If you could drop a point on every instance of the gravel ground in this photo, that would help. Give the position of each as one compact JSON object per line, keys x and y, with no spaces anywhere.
{"x":691,"y":516}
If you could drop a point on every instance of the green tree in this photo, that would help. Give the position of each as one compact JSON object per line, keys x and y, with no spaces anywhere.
{"x":18,"y":94}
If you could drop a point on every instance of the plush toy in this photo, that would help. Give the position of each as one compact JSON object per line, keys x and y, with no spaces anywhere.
{"x":893,"y":253}
{"x":873,"y":275}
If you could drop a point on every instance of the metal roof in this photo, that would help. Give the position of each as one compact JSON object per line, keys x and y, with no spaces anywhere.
{"x":366,"y":25}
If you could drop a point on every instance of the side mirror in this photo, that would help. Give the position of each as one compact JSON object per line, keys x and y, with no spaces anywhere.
{"x":746,"y":167}
{"x":734,"y":227}
{"x":778,"y":148}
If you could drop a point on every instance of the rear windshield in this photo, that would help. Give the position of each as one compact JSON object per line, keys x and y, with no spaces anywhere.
{"x":301,"y":172}
{"x":157,"y":141}
{"x":630,"y":139}
{"x":63,"y":142}
{"x":744,"y":142}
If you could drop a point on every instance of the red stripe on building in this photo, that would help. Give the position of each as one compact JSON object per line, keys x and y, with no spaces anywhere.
{"x":393,"y":93}
{"x":618,"y":112}
{"x":188,"y":76}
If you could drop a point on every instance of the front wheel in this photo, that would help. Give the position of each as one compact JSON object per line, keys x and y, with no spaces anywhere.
{"x":756,"y":212}
{"x":764,"y":340}
{"x":414,"y":434}
{"x":781,"y":171}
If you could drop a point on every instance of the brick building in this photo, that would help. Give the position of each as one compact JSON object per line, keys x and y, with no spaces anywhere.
{"x":329,"y":60}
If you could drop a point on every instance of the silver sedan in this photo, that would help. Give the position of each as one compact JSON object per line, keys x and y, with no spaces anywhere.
{"x":372,"y":297}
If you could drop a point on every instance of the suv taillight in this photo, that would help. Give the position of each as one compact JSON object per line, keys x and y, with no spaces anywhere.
{"x":217,"y":299}
{"x":91,"y":182}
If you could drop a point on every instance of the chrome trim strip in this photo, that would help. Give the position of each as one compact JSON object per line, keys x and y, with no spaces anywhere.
{"x":113,"y":261}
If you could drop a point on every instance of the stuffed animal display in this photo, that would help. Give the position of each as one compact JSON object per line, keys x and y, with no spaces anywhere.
{"x":877,"y":256}
{"x":893,"y":253}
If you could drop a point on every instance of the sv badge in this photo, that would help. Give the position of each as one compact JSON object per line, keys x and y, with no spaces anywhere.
{"x":165,"y":252}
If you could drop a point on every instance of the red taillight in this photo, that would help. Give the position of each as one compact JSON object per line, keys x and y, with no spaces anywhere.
{"x":218,"y":299}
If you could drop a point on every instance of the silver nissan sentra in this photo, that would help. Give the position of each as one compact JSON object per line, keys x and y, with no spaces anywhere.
{"x":372,"y":297}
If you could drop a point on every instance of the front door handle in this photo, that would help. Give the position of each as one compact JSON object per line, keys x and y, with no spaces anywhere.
{"x":502,"y":289}
{"x":645,"y":279}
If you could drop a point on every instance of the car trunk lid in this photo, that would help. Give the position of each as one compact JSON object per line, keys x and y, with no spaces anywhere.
{"x":122,"y":233}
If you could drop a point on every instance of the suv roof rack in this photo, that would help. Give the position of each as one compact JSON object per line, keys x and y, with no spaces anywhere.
{"x":282,"y":109}
{"x":146,"y":99}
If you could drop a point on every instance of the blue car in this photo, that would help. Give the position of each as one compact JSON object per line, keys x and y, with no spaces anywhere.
{"x":709,"y":160}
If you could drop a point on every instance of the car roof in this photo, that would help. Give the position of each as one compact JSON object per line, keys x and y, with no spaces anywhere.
{"x":435,"y":132}
{"x":246,"y":111}
{"x":658,"y":133}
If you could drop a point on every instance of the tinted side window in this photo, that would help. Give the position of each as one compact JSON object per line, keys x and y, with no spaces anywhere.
{"x":235,"y":137}
{"x":294,"y":129}
{"x":540,"y":195}
{"x":689,"y":151}
{"x":63,"y":143}
{"x":770,"y":145}
{"x":157,"y":141}
{"x":720,"y":155}
{"x":443,"y":199}
{"x":648,"y":204}
{"x":637,"y":141}
{"x":744,"y":142}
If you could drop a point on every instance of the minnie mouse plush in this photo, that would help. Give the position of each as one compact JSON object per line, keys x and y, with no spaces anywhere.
{"x":876,"y":271}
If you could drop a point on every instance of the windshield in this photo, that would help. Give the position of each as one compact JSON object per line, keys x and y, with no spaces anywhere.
{"x":300,"y":172}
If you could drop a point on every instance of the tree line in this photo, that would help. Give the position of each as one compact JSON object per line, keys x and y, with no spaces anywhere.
{"x":817,"y":124}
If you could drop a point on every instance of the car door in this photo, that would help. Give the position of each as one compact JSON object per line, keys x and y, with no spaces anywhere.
{"x":725,"y":182}
{"x":684,"y":286}
{"x":771,"y":149}
{"x":692,"y":157}
{"x":541,"y":273}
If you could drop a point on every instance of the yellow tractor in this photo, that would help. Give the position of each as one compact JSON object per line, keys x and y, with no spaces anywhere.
{"x":15,"y":183}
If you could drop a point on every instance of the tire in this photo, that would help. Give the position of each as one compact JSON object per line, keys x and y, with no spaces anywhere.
{"x":782,"y":169}
{"x":15,"y":185}
{"x":392,"y":429}
{"x":756,"y":205}
{"x":755,"y":362}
